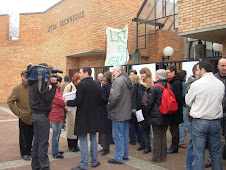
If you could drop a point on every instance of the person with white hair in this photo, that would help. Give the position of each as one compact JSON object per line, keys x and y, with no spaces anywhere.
{"x":158,"y":120}
{"x":100,"y":77}
{"x":119,"y":111}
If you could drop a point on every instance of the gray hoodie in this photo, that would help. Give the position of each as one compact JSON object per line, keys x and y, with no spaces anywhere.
{"x":120,"y":100}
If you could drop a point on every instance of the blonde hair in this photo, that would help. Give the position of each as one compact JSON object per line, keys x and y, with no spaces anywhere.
{"x":148,"y":73}
{"x":134,"y":78}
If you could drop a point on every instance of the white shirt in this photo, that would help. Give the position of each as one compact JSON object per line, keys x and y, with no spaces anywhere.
{"x":205,"y":97}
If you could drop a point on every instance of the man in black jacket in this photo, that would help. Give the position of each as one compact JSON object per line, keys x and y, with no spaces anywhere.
{"x":41,"y":105}
{"x":221,"y":75}
{"x":87,"y":100}
{"x":175,"y":81}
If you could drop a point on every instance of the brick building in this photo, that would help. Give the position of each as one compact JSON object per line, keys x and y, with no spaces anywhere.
{"x":71,"y":34}
{"x":204,"y":20}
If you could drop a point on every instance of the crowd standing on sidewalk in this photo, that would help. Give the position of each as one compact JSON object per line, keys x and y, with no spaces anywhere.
{"x":113,"y":106}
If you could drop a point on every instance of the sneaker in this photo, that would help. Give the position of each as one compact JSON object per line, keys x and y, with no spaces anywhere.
{"x":26,"y":157}
{"x":94,"y":166}
{"x":59,"y":157}
{"x":105,"y":152}
{"x":112,"y":161}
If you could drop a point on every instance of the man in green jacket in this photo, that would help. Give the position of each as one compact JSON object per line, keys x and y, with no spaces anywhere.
{"x":18,"y":103}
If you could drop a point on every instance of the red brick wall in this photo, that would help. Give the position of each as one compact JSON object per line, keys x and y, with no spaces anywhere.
{"x":4,"y":28}
{"x":161,"y":39}
{"x":224,"y":48}
{"x":200,"y":14}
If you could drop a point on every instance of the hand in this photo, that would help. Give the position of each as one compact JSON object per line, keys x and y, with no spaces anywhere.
{"x":134,"y":111}
{"x":53,"y":80}
{"x":144,"y":84}
{"x":65,"y":101}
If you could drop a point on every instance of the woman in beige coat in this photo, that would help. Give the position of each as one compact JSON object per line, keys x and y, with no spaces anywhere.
{"x":72,"y":140}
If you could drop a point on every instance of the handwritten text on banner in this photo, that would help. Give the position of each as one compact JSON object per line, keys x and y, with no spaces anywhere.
{"x":117,"y":53}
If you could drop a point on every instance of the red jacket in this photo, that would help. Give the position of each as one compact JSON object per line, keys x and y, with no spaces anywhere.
{"x":57,"y":112}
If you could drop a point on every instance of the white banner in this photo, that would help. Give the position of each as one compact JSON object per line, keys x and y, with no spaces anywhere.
{"x":117,"y":52}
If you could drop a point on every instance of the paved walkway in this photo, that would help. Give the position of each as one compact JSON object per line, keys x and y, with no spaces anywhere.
{"x":10,"y":156}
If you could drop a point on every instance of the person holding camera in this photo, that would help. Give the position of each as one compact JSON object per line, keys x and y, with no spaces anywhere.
{"x":56,"y":119}
{"x":18,"y":103}
{"x":40,"y":101}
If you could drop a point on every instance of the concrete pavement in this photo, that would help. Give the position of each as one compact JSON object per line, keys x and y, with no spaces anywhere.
{"x":10,"y":155}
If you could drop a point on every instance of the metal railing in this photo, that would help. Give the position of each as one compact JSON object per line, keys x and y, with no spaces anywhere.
{"x":159,"y":65}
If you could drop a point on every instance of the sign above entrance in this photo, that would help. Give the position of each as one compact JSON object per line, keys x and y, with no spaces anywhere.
{"x":117,"y":52}
{"x":67,"y":20}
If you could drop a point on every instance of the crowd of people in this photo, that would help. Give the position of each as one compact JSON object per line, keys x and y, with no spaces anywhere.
{"x":112,"y":105}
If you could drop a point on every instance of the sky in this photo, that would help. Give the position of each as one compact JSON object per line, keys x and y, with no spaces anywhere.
{"x":14,"y":7}
{"x":27,"y":6}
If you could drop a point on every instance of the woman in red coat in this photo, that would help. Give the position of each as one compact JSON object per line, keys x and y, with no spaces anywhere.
{"x":56,"y":117}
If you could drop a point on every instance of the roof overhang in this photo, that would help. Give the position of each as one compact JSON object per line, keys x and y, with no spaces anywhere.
{"x":212,"y":34}
{"x":87,"y":53}
{"x":93,"y":53}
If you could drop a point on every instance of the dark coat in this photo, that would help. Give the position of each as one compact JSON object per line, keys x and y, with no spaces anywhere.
{"x":105,"y":124}
{"x":87,"y":100}
{"x":41,"y":102}
{"x":134,"y":102}
{"x":176,"y":83}
{"x":138,"y":98}
{"x":223,"y":79}
{"x":155,"y":117}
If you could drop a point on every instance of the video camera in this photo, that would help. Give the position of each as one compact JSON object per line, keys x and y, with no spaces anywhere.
{"x":41,"y":72}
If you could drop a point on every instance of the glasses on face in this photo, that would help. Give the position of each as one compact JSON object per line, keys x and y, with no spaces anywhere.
{"x":168,"y":72}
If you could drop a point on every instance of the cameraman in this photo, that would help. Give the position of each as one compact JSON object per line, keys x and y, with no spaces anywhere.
{"x":41,"y":105}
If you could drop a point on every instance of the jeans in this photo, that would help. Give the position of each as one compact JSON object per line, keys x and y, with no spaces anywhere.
{"x":25,"y":138}
{"x":134,"y":132}
{"x":83,"y":163}
{"x":207,"y":131}
{"x":56,"y":126}
{"x":183,"y":127}
{"x":224,"y":131}
{"x":150,"y":134}
{"x":120,"y":132}
{"x":40,"y":159}
{"x":190,"y":154}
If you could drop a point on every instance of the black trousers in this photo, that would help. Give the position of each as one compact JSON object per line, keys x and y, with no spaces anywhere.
{"x":72,"y":143}
{"x":159,"y":143}
{"x":26,"y":133}
{"x":174,"y":130}
{"x":40,"y":159}
{"x":145,"y":129}
{"x":105,"y":140}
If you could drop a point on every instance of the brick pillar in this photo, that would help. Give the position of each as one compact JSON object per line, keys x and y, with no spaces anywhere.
{"x":4,"y":29}
{"x":224,"y":48}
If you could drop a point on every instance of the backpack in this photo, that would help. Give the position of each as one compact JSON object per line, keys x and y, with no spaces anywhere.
{"x":169,"y":104}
